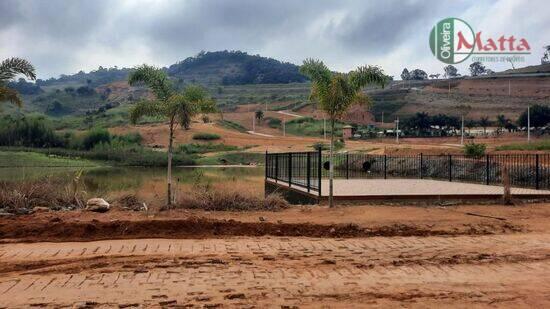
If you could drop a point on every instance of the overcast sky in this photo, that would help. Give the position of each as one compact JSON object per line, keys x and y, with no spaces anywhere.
{"x":65,"y":36}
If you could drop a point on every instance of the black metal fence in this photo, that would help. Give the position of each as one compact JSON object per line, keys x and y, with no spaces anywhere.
{"x":306,"y":169}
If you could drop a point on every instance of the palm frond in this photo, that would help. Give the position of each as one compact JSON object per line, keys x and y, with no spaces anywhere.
{"x":316,"y":70}
{"x":154,"y":78}
{"x":365,"y":75}
{"x":9,"y":68}
{"x":183,"y":109}
{"x":145,"y":108}
{"x":10,"y":95}
{"x":363,"y":99}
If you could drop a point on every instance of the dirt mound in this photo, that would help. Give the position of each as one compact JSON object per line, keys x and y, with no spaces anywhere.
{"x":56,"y":229}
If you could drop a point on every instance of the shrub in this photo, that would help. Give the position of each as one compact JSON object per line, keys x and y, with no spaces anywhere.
{"x":204,"y":148}
{"x":94,"y":137}
{"x":21,"y":197}
{"x":133,"y":138}
{"x":228,"y":200}
{"x":34,"y":131}
{"x":474,"y":150}
{"x":273,"y":122}
{"x":324,"y":146}
{"x":206,"y":136}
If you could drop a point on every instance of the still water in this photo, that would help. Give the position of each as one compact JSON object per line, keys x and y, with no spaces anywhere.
{"x":105,"y":180}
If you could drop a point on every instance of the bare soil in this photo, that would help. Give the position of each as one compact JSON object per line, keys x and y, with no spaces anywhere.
{"x":305,"y":257}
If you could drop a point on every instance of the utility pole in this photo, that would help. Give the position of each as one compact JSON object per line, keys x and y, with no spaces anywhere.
{"x":397,"y":130}
{"x":284,"y":126}
{"x":382,"y":116}
{"x":462,"y":131}
{"x":253,"y":122}
{"x":528,"y":124}
{"x":324,"y":128}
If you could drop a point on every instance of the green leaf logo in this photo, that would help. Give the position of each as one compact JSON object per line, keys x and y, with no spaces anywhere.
{"x":444,"y":40}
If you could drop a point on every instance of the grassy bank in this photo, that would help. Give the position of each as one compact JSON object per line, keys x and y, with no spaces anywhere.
{"x":232,"y":158}
{"x":533,"y":146}
{"x":34,"y":159}
{"x":124,"y":156}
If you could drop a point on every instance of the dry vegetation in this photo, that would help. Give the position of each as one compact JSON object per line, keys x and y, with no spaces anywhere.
{"x":21,"y":197}
{"x":211,"y":199}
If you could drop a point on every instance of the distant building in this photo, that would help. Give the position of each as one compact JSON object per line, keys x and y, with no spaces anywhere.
{"x":347,"y":132}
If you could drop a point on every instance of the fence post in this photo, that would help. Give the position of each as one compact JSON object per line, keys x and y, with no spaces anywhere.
{"x":276,"y":168}
{"x":290,"y":169}
{"x":537,"y":175}
{"x":385,"y":166}
{"x":319,"y":170}
{"x":267,"y":164}
{"x":450,"y":168}
{"x":487,"y":169}
{"x":347,"y":165}
{"x":421,"y":159}
{"x":308,"y":172}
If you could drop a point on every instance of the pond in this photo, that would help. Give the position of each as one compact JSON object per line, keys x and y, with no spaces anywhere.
{"x":147,"y":182}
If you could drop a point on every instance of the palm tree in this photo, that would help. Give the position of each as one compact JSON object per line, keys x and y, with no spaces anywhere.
{"x":10,"y":68}
{"x":484,"y":123}
{"x":336,"y":92}
{"x":259,"y":115}
{"x":502,"y":121}
{"x":177,"y":108}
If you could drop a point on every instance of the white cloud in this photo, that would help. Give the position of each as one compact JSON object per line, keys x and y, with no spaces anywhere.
{"x":67,"y":36}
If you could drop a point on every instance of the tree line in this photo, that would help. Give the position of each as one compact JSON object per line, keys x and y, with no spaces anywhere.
{"x":423,"y":124}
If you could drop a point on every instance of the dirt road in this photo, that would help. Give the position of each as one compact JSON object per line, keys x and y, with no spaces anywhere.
{"x":508,"y":270}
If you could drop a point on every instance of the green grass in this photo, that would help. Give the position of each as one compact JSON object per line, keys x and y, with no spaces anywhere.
{"x":232,"y":125}
{"x":233,"y":158}
{"x":33,"y":159}
{"x":537,"y":145}
{"x":307,"y":126}
{"x":205,"y":148}
{"x":120,"y":156}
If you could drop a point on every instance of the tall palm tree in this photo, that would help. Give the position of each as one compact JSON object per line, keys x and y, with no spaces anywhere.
{"x":484,"y":123}
{"x":10,"y":68}
{"x":336,"y":92}
{"x":177,"y":108}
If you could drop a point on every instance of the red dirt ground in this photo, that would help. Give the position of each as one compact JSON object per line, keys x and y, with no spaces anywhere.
{"x":376,"y":256}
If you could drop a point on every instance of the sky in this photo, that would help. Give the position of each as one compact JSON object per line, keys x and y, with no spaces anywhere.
{"x":66,"y":36}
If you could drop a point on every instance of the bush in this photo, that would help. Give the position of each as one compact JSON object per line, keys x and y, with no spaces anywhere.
{"x":474,"y":150}
{"x":21,"y":197}
{"x":228,"y":200}
{"x":204,"y":148}
{"x":323,"y":146}
{"x":95,"y":137}
{"x":206,"y":136}
{"x":273,"y":122}
{"x":34,"y":131}
{"x":133,"y":138}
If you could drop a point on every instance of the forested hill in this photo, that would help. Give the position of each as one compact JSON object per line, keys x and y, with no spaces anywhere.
{"x":207,"y":68}
{"x":235,"y":68}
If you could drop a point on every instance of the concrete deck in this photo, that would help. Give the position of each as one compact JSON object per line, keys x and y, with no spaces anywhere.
{"x":368,"y":189}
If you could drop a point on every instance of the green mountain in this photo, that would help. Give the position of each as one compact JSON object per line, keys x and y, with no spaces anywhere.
{"x":234,"y":68}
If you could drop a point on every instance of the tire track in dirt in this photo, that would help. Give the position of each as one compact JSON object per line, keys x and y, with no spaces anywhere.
{"x":266,"y":272}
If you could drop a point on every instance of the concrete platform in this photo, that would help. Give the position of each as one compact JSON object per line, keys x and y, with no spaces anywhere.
{"x":410,"y":189}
